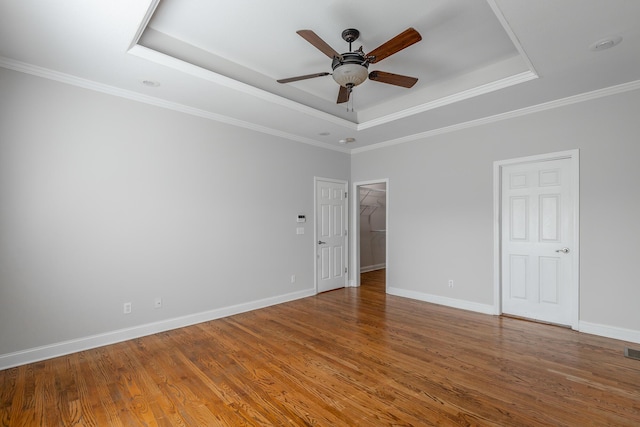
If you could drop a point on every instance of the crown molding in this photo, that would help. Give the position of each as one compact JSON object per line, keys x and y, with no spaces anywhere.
{"x":134,"y":96}
{"x":205,"y":74}
{"x":46,"y":73}
{"x":587,"y":96}
{"x":447,"y":100}
{"x":512,"y":35}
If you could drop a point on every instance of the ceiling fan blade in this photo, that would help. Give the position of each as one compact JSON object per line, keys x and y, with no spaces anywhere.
{"x":392,"y":79}
{"x":395,"y":45}
{"x":320,"y":44}
{"x":305,"y":77}
{"x":343,"y":95}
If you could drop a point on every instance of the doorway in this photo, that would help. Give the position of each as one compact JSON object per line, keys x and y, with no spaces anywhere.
{"x":370,"y":225}
{"x":331,"y":228}
{"x":537,"y":237}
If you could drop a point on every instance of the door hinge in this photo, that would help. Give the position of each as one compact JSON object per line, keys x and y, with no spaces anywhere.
{"x":345,"y":194}
{"x":346,"y":232}
{"x":345,"y":270}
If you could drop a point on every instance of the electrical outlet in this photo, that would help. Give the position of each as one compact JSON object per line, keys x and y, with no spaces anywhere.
{"x":451,"y":283}
{"x":157,"y":303}
{"x":293,"y":278}
{"x":126,"y":309}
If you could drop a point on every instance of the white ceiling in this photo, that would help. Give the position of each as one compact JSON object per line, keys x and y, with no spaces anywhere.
{"x":477,"y":58}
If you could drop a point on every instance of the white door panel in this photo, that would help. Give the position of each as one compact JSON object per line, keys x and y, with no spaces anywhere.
{"x":331,"y":214}
{"x":537,"y":215}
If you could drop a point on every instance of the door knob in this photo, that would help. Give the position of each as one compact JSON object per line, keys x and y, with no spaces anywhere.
{"x":563,"y":250}
{"x":320,"y":242}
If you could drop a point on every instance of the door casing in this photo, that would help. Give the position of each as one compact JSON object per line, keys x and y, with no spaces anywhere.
{"x":315,"y":228}
{"x":573,"y":155}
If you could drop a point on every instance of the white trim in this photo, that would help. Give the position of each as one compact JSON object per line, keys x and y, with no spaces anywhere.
{"x":205,"y":74}
{"x":189,"y":68}
{"x":374,"y":267}
{"x":152,"y":55}
{"x":583,"y":97}
{"x":451,"y":99}
{"x":22,"y":67}
{"x":145,"y":21}
{"x":347,"y":283}
{"x":440,"y":300}
{"x":574,"y":156}
{"x":355,"y":221}
{"x":610,"y":332}
{"x":512,"y":35}
{"x":157,"y":102}
{"x":72,"y":346}
{"x":613,"y":332}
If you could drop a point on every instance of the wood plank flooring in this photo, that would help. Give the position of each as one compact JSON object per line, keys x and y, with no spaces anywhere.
{"x":351,"y":357}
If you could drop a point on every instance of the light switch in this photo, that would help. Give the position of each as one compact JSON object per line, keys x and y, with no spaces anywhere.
{"x":300,"y":230}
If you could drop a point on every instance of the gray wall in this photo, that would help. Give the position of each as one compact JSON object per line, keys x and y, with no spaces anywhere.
{"x":447,"y":232}
{"x":105,"y":200}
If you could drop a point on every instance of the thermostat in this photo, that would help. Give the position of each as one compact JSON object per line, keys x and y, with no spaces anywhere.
{"x":301,"y":218}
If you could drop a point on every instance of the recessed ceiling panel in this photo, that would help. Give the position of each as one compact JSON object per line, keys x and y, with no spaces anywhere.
{"x":464,"y":45}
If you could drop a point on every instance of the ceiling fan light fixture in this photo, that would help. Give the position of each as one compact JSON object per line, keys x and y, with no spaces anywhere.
{"x":353,"y":74}
{"x":350,"y":69}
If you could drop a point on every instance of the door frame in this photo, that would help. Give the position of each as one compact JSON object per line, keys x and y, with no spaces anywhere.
{"x":574,"y":156}
{"x":315,"y":228}
{"x":355,"y":236}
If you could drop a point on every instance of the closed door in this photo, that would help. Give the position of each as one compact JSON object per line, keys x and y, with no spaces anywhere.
{"x":331,"y":234}
{"x":538,"y":241}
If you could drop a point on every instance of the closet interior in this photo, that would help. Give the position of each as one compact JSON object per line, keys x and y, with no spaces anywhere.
{"x":373,"y":220}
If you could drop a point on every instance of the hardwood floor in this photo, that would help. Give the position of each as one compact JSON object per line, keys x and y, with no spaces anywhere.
{"x":351,"y":357}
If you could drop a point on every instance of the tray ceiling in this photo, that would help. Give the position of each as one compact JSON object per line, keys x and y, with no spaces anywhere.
{"x":465,"y":45}
{"x":479,"y":60}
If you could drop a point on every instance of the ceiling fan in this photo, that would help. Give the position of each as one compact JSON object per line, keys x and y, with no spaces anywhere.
{"x":351,"y":68}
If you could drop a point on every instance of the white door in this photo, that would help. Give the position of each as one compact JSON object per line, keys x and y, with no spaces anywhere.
{"x":331,"y":235}
{"x":538,"y":242}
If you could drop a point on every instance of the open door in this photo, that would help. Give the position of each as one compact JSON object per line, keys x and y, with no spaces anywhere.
{"x":375,"y":202}
{"x":373,"y":226}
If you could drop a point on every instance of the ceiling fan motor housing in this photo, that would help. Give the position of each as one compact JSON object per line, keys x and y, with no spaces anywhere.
{"x":350,"y":69}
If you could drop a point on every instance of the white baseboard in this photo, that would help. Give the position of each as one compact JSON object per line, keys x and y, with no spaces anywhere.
{"x":440,"y":300}
{"x":67,"y":347}
{"x":614,"y":332}
{"x":609,"y":331}
{"x":374,"y":267}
